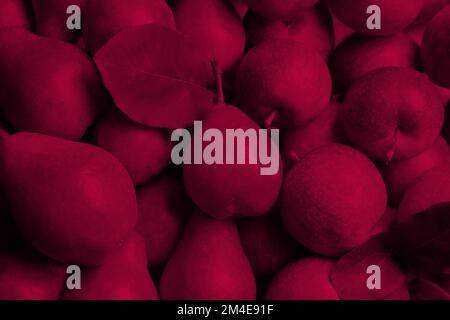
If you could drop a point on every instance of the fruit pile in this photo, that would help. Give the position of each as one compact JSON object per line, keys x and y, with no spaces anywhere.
{"x":361,"y":195}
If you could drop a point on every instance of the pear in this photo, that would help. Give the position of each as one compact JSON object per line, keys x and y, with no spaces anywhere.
{"x":284,"y":81}
{"x":215,"y":27}
{"x":51,"y":18}
{"x":27,"y":275}
{"x":48,"y":86}
{"x":15,"y":13}
{"x":208,"y":264}
{"x":304,"y":279}
{"x":123,"y":276}
{"x":266,"y":243}
{"x":231,"y":189}
{"x":144,"y":151}
{"x":163,"y":207}
{"x":223,"y":189}
{"x":72,"y":201}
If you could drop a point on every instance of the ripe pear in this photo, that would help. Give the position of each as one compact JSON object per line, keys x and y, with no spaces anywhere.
{"x":325,"y":129}
{"x":392,"y":113}
{"x":436,"y":47}
{"x":283,"y":80}
{"x":48,"y":86}
{"x":305,"y":279}
{"x":359,"y":54}
{"x":51,"y":19}
{"x":332,"y":198}
{"x":144,"y":151}
{"x":225,"y":190}
{"x":164,"y":207}
{"x":400,"y":175}
{"x":313,"y":28}
{"x":123,"y":276}
{"x":208,"y":264}
{"x":16,"y":13}
{"x":395,"y":15}
{"x":72,"y":201}
{"x":267,"y":244}
{"x":27,"y":275}
{"x":215,"y":27}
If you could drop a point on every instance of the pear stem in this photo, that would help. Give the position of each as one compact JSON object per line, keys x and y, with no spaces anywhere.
{"x":218,"y":73}
{"x":271,"y":118}
{"x":391,"y":153}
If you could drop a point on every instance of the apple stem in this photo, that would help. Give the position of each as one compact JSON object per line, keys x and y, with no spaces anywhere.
{"x":270,"y":119}
{"x":218,"y":73}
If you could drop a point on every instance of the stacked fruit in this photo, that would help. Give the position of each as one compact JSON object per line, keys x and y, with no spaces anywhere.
{"x":362,"y":191}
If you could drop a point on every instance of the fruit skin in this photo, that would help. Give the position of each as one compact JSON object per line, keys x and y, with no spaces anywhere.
{"x":164,"y":207}
{"x":395,"y":15}
{"x":144,"y":151}
{"x":240,"y":7}
{"x":268,"y":79}
{"x":445,"y":94}
{"x":332,"y":199}
{"x":280,"y":10}
{"x":399,"y":175}
{"x":16,"y":13}
{"x":392,"y":113}
{"x":223,"y":191}
{"x":208,"y":264}
{"x":267,"y":244}
{"x":122,"y":276}
{"x":386,"y":221}
{"x":416,"y":32}
{"x":358,"y":55}
{"x":428,"y":190}
{"x":305,"y":279}
{"x":313,"y":28}
{"x":214,"y":27}
{"x":72,"y":201}
{"x":325,"y":129}
{"x":51,"y":18}
{"x":429,"y":10}
{"x":27,"y":275}
{"x":56,"y":91}
{"x":118,"y":15}
{"x":435,"y":48}
{"x":341,"y":31}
